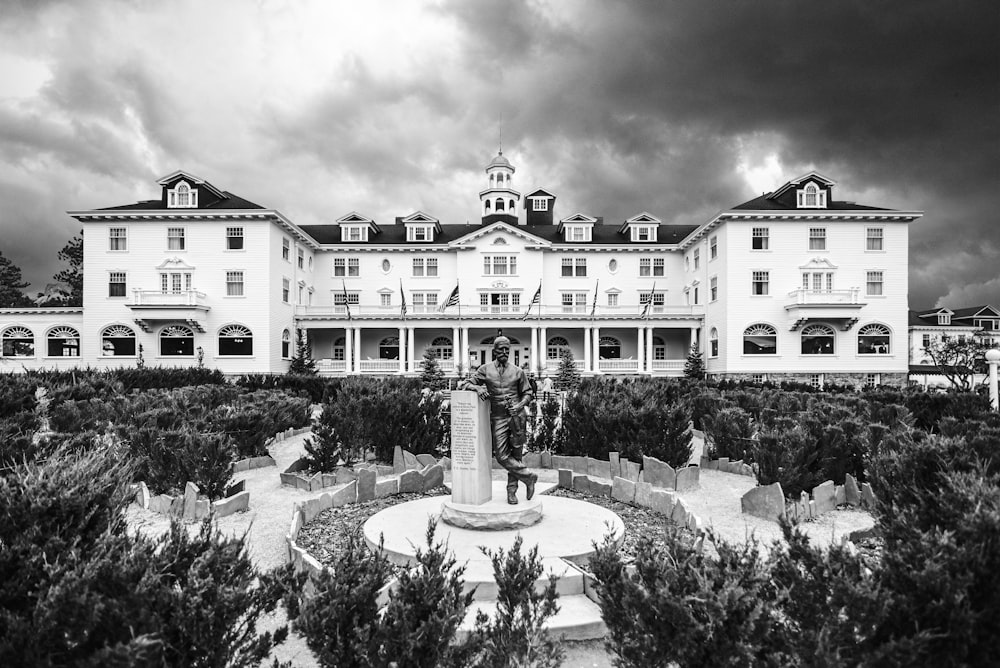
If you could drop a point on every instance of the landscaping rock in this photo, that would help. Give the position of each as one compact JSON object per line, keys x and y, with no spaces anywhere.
{"x":600,"y":488}
{"x":679,"y":514}
{"x":234,"y":504}
{"x":623,"y":490}
{"x":644,"y":494}
{"x":841,"y":495}
{"x":566,"y":478}
{"x":598,"y":469}
{"x":630,"y":470}
{"x":190,"y":500}
{"x":316,"y":482}
{"x":561,"y":462}
{"x":445,"y":463}
{"x":235,"y":488}
{"x":813,"y":512}
{"x":713,"y":465}
{"x":384,"y":471}
{"x":659,"y":474}
{"x":662,"y":501}
{"x":851,"y":491}
{"x":311,"y":509}
{"x":366,"y":484}
{"x":825,"y":497}
{"x":386,"y":487}
{"x":533,"y":460}
{"x":688,"y":478}
{"x":410,"y":460}
{"x":433,"y":476}
{"x":410,"y":482}
{"x":142,"y":495}
{"x":398,"y":463}
{"x":241,"y":465}
{"x":581,"y":483}
{"x":767,"y":502}
{"x":867,"y":496}
{"x":546,"y":459}
{"x":426,"y":460}
{"x":329,"y":480}
{"x":614,"y":465}
{"x":345,"y":495}
{"x":578,"y":464}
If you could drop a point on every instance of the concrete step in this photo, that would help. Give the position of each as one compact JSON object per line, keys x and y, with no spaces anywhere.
{"x":578,"y":618}
{"x":479,"y":574}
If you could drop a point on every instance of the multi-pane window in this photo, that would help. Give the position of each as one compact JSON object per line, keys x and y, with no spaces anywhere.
{"x":425,"y":266}
{"x":760,"y":284}
{"x":821,"y":281}
{"x":175,"y":238}
{"x":612,"y":299}
{"x":644,"y":233}
{"x":713,"y":248}
{"x":174,"y":282}
{"x":117,"y":341}
{"x":873,"y":339}
{"x":63,"y":342}
{"x":574,"y":302}
{"x":873,"y":283}
{"x":18,"y":342}
{"x":346,"y":266}
{"x":235,"y":340}
{"x":234,"y":283}
{"x":425,"y":302}
{"x":817,"y":238}
{"x":872,"y":380}
{"x":577,"y":233}
{"x":658,"y":298}
{"x":301,"y":258}
{"x":352,"y":298}
{"x":651,"y":266}
{"x":499,"y":302}
{"x":574,"y":266}
{"x":873,"y":241}
{"x":760,"y":238}
{"x":177,"y":340}
{"x":539,"y":204}
{"x":234,"y":238}
{"x":818,"y":340}
{"x":286,"y":287}
{"x":116,"y":284}
{"x":286,"y":344}
{"x":555,"y":347}
{"x":385,"y":299}
{"x":925,"y":341}
{"x":713,"y":288}
{"x":758,"y":378}
{"x":713,"y":343}
{"x":816,"y":380}
{"x":286,"y":249}
{"x":697,"y":258}
{"x":760,"y":339}
{"x":499,"y":265}
{"x":353,"y":233}
{"x":118,"y":239}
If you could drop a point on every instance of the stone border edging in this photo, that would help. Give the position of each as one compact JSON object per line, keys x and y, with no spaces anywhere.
{"x":723,"y":464}
{"x":768,"y":501}
{"x":251,"y":463}
{"x":189,"y":506}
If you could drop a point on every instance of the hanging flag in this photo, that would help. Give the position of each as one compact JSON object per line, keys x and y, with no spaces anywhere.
{"x":347,"y":301}
{"x":593,"y":307}
{"x":402,"y":300}
{"x":649,"y":302}
{"x":537,"y":299}
{"x":451,"y":301}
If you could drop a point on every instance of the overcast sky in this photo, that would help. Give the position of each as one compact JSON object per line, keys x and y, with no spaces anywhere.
{"x":319,"y":108}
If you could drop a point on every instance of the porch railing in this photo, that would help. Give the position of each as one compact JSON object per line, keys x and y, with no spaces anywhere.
{"x":618,"y":365}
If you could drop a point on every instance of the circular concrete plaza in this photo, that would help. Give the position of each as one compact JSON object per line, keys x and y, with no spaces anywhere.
{"x":568,"y":529}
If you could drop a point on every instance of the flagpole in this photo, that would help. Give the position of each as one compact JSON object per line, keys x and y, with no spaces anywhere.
{"x":538,"y":325}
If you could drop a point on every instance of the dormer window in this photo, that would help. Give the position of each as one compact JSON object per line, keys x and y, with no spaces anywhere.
{"x":944,"y":318}
{"x":354,"y":233}
{"x":182,"y":196}
{"x":811,"y":197}
{"x":643,"y":233}
{"x":420,"y":233}
{"x":539,"y":204}
{"x":577,"y":233}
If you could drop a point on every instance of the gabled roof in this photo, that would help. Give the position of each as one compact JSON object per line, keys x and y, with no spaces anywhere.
{"x":984,"y":311}
{"x":928,"y":319}
{"x":541,"y":192}
{"x":500,"y":226}
{"x":188,"y":176}
{"x":354,"y":217}
{"x":418,"y":217}
{"x":794,"y":183}
{"x":766,"y":203}
{"x":640,"y":219}
{"x":227,"y":201}
{"x":579,"y":218}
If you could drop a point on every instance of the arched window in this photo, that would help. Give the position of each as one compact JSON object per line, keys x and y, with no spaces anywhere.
{"x":286,"y":344}
{"x":340,"y":349}
{"x":442,"y":348}
{"x":388,"y":348}
{"x":609,"y":348}
{"x":555,"y":346}
{"x":183,"y":195}
{"x":63,"y":342}
{"x":499,"y":206}
{"x":713,"y":343}
{"x":492,"y":179}
{"x":760,"y":339}
{"x":176,"y":341}
{"x":818,"y":340}
{"x":118,"y":341}
{"x":874,"y":339}
{"x":235,"y":340}
{"x":511,"y":206}
{"x":488,"y":341}
{"x":659,"y":348}
{"x":487,"y":205}
{"x":811,"y":194}
{"x":18,"y":342}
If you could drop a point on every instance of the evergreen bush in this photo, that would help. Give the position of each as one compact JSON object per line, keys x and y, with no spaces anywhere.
{"x":431,"y":375}
{"x":694,"y":365}
{"x":547,"y":434}
{"x":729,"y":432}
{"x":567,"y":378}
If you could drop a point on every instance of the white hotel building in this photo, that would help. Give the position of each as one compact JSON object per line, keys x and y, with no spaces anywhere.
{"x":791,"y":285}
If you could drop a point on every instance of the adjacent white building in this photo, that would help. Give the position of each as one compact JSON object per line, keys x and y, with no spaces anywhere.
{"x":791,"y":285}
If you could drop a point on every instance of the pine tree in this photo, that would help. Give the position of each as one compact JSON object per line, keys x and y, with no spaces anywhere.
{"x":567,"y":375}
{"x":72,"y":254}
{"x":303,"y":363}
{"x":12,"y":285}
{"x":431,"y":374}
{"x":694,"y":367}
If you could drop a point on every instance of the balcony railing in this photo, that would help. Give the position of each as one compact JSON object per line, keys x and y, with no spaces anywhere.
{"x":156,"y":298}
{"x":802,"y":296}
{"x":379,"y":366}
{"x":620,"y":366}
{"x":499,"y":310}
{"x":668,"y":365}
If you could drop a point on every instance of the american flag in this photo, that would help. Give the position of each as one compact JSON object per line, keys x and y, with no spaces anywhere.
{"x":537,"y":299}
{"x":402,"y":300}
{"x":347,"y":302}
{"x":649,"y":302}
{"x":451,"y":301}
{"x":593,"y":307}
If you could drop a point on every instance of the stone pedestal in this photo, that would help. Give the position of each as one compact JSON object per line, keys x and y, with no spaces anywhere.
{"x":493,"y":515}
{"x":471,"y":449}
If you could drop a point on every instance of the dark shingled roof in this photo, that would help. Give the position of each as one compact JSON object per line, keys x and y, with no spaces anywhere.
{"x":972,"y":310}
{"x":231,"y":201}
{"x":762,"y":203}
{"x":396,"y":234}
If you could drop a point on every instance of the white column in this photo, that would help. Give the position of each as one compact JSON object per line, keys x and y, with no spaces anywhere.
{"x":649,"y":348}
{"x":357,"y":350}
{"x":596,"y":350}
{"x":992,"y":359}
{"x":543,"y":347}
{"x":348,"y":349}
{"x":402,"y":350}
{"x":455,"y":348}
{"x":694,"y":337}
{"x":533,"y":354}
{"x":411,"y":360}
{"x":639,"y":352}
{"x":465,"y":350}
{"x":586,"y":349}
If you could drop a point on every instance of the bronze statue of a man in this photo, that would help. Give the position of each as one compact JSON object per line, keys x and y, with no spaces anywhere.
{"x":507,"y":389}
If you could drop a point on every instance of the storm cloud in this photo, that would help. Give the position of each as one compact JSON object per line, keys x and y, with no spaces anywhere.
{"x":680,"y":109}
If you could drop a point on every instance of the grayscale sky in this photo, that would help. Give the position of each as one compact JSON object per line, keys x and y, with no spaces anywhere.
{"x":680,"y":108}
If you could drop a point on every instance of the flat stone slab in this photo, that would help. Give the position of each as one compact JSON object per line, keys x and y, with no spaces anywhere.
{"x":659,"y":474}
{"x":494,"y":515}
{"x":825,"y":497}
{"x":568,"y":528}
{"x":767,"y":502}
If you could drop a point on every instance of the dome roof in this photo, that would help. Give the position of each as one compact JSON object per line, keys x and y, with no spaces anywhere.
{"x":499,"y":161}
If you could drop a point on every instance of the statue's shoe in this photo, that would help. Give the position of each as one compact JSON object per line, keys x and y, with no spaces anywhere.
{"x":530,"y":485}
{"x":512,"y":497}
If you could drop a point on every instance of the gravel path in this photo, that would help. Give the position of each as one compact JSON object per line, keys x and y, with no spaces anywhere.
{"x":267,"y":522}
